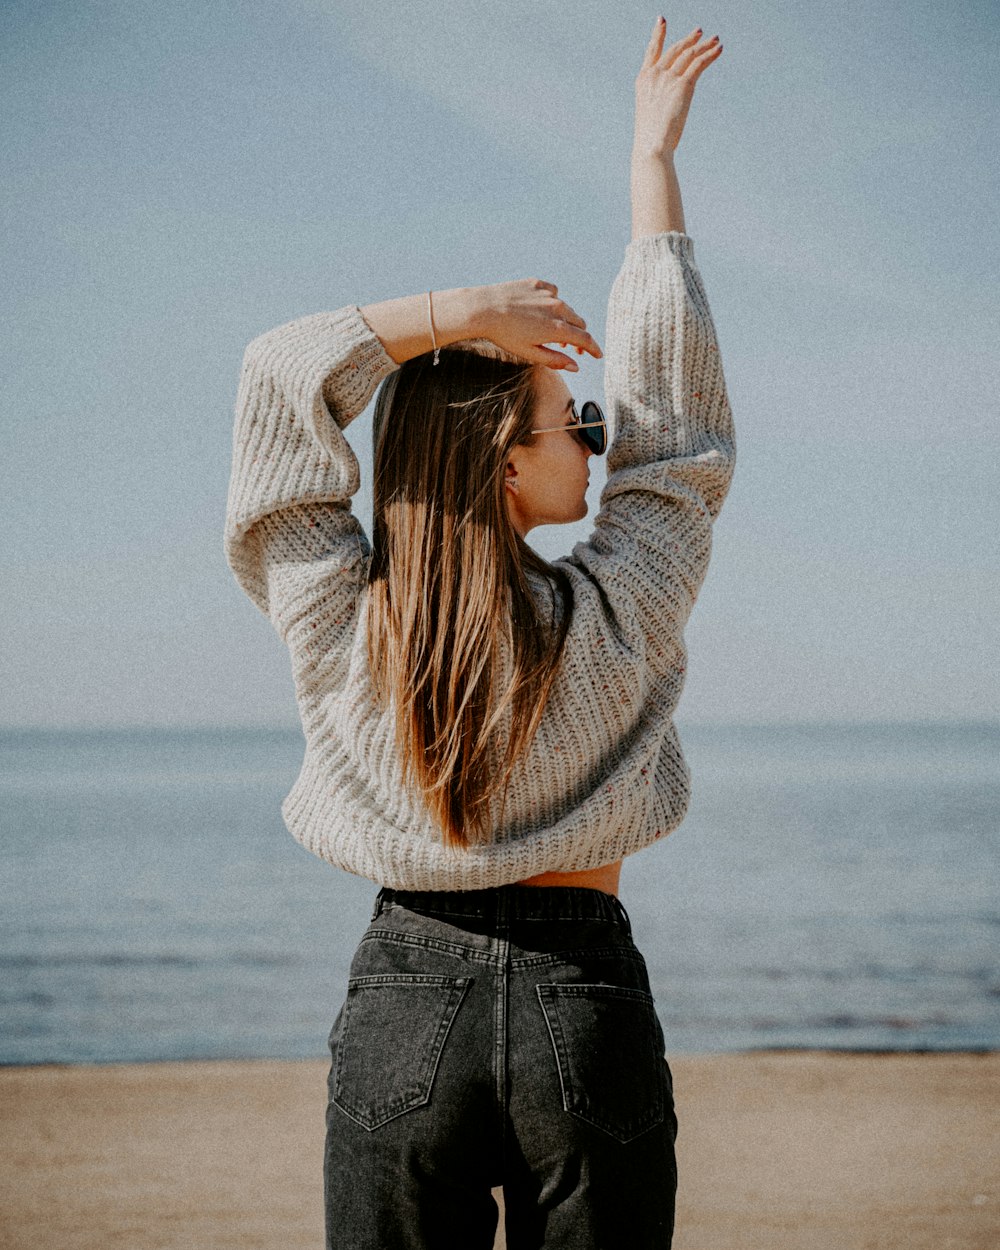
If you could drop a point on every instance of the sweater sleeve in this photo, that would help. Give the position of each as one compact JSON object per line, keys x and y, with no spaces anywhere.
{"x":672,"y":454}
{"x":293,"y":471}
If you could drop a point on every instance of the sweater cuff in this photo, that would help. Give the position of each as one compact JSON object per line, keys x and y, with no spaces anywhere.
{"x":651,"y":246}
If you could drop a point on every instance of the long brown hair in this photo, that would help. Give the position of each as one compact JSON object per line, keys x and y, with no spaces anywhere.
{"x":458,"y":644}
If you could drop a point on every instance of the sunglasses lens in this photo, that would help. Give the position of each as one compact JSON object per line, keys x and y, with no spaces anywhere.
{"x":595,"y":436}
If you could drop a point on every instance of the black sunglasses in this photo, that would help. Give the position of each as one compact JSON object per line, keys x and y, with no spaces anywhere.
{"x":590,"y":425}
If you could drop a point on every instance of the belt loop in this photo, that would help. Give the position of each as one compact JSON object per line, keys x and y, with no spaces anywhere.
{"x":379,"y":900}
{"x":505,"y":902}
{"x":624,"y":914}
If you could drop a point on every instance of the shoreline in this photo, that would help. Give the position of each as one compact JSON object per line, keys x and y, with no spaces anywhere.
{"x":783,"y":1149}
{"x":873,"y":1052}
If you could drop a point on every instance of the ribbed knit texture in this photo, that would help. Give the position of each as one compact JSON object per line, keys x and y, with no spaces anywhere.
{"x":605,"y":775}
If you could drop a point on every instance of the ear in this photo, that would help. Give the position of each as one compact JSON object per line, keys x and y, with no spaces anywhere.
{"x":512,"y":498}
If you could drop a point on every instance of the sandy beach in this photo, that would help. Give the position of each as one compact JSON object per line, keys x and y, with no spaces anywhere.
{"x":806,"y":1150}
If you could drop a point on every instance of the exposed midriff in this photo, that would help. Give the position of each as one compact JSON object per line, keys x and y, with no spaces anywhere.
{"x":604,"y":878}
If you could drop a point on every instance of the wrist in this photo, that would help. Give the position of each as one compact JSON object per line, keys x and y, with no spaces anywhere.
{"x":656,"y":197}
{"x":647,"y":153}
{"x":458,"y":314}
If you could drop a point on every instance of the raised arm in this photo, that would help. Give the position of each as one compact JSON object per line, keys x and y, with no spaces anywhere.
{"x":672,"y":457}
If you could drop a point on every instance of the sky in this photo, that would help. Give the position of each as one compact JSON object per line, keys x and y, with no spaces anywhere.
{"x":181,"y":176}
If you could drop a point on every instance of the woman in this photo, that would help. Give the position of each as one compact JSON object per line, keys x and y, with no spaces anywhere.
{"x":488,"y":734}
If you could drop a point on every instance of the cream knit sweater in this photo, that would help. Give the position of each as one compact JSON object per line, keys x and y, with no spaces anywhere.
{"x":605,"y":775}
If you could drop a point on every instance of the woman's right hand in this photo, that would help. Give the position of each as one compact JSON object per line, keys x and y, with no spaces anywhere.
{"x":522,"y":316}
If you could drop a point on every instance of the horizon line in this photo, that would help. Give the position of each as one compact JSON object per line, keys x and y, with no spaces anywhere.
{"x":682,"y":723}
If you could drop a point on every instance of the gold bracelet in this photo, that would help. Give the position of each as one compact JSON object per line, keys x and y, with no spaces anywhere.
{"x":430,"y":317}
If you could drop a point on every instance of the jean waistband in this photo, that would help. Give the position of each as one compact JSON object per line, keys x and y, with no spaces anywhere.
{"x":512,"y":902}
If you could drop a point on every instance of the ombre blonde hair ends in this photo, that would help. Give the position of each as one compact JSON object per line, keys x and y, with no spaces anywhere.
{"x":458,"y":645}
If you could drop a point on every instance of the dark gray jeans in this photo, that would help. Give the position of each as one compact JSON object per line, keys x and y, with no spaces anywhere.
{"x":499,"y":1037}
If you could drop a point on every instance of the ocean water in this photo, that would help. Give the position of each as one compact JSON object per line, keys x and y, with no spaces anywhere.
{"x":832,"y":886}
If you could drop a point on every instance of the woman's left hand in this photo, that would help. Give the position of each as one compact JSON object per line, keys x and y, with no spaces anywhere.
{"x":665,"y":86}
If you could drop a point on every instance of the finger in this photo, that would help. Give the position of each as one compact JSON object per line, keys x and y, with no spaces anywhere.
{"x":702,"y":61}
{"x":682,"y":45}
{"x":568,"y":314}
{"x":578,"y":338}
{"x":689,"y":55}
{"x":655,"y":43}
{"x":554,"y":360}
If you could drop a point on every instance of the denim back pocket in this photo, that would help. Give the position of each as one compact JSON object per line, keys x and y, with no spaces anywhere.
{"x":392,"y":1034}
{"x":609,"y":1051}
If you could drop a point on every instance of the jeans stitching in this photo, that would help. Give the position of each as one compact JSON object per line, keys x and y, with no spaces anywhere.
{"x":502,"y":1009}
{"x":557,"y":1048}
{"x":471,"y":953}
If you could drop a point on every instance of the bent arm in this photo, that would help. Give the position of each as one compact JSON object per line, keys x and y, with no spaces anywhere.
{"x":519,"y":316}
{"x":300,"y":386}
{"x":293,"y":471}
{"x":304,"y":382}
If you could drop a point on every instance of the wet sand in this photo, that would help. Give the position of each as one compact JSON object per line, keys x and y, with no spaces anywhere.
{"x":777,"y":1151}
